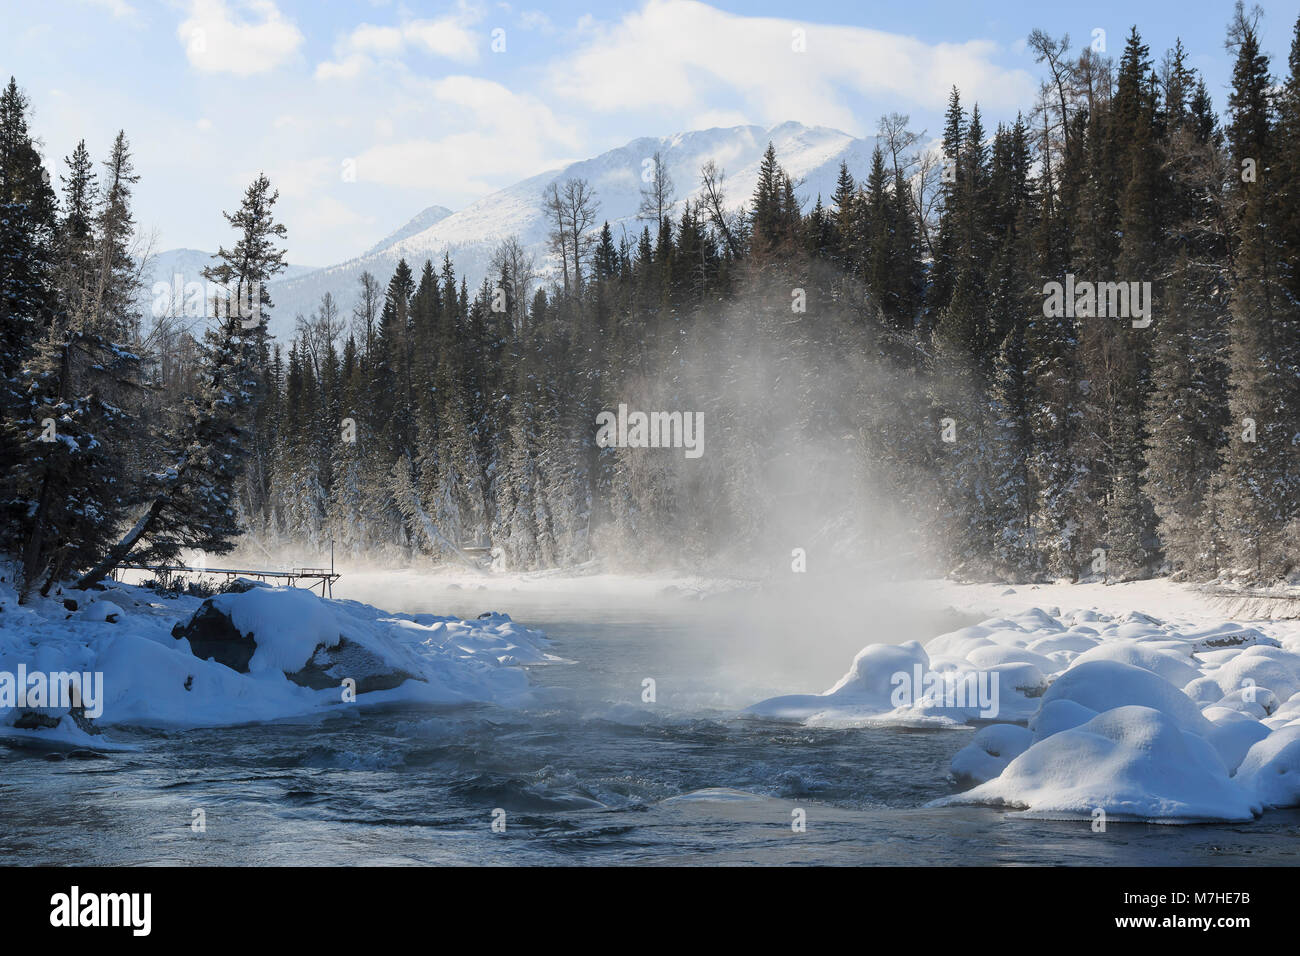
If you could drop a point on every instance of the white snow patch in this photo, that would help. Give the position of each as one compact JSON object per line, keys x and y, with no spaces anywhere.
{"x":1132,"y":762}
{"x":151,"y":679}
{"x":1165,"y":714}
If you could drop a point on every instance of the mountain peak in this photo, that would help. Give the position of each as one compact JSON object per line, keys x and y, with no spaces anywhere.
{"x":811,"y":154}
{"x":417,"y":223}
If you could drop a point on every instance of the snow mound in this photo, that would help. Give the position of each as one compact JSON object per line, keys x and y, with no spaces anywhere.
{"x":1270,"y":770}
{"x":1176,"y":668}
{"x":902,"y":685}
{"x":1232,"y":736}
{"x":1132,"y":762}
{"x":1142,"y":717}
{"x":147,"y":677}
{"x":1106,"y":685}
{"x":865,"y":689}
{"x":102,"y":611}
{"x":1260,"y":666}
{"x":1057,"y":715}
{"x":988,"y":754}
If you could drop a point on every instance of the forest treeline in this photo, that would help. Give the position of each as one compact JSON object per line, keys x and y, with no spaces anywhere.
{"x":879,"y":371}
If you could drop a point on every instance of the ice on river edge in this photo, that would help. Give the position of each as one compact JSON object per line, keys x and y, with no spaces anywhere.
{"x":1125,"y":715}
{"x":153,"y":680}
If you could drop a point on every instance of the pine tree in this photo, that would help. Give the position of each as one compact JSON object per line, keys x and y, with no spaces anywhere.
{"x":27,"y":294}
{"x":114,"y":287}
{"x":1260,"y":478}
{"x":192,"y":498}
{"x":75,"y":256}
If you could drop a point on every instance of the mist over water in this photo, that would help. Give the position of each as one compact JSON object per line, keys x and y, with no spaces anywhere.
{"x":741,"y":640}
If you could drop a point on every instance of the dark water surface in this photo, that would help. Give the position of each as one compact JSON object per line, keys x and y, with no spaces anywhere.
{"x":591,"y":774}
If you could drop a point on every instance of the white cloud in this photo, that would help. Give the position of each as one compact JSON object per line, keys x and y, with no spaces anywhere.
{"x":305,"y":179}
{"x":218,"y":40}
{"x":536,"y":20}
{"x":721,"y":119}
{"x":382,"y":41}
{"x":347,"y":68}
{"x":328,"y":215}
{"x":447,"y":38}
{"x":118,"y":8}
{"x":501,"y":136}
{"x":678,"y":55}
{"x":451,"y":37}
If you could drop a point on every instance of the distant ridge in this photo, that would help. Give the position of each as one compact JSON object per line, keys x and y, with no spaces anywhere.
{"x":811,"y":154}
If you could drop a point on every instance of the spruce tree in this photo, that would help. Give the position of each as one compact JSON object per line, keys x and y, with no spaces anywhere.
{"x":192,"y":496}
{"x":1261,"y":482}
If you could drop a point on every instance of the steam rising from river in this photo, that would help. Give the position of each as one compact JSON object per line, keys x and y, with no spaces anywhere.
{"x":799,"y":494}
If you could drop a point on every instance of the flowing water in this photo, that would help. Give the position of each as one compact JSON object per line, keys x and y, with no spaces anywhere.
{"x":591,"y":774}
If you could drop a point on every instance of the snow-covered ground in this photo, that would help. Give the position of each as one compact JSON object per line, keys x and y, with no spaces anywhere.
{"x":395,"y":585}
{"x":136,"y":673}
{"x":1128,"y":702}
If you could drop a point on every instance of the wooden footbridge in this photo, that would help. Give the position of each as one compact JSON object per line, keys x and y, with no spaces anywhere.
{"x":472,"y":554}
{"x":324,"y":577}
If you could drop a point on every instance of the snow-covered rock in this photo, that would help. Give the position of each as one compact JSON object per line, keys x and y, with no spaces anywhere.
{"x":262,"y":654}
{"x":865,"y":689}
{"x":1053,"y":716}
{"x":1132,"y":762}
{"x":1260,"y":666}
{"x":1142,"y":717}
{"x":1105,"y":685}
{"x":1232,"y":735}
{"x":912,"y":686}
{"x":1173,"y":667}
{"x":102,"y":611}
{"x":989,"y":752}
{"x":1270,"y":771}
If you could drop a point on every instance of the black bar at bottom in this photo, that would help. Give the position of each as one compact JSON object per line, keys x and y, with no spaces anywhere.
{"x":334,"y":906}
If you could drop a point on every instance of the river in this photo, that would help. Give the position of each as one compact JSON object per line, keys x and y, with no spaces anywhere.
{"x":593,"y":773}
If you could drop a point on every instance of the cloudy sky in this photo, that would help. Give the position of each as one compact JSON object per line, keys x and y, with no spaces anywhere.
{"x":365,"y":112}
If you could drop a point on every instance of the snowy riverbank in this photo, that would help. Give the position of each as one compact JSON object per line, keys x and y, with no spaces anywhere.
{"x":286,"y":653}
{"x":1092,"y":712}
{"x":1140,"y":701}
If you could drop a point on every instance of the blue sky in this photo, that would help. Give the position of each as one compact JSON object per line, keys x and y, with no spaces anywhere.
{"x":365,"y":112}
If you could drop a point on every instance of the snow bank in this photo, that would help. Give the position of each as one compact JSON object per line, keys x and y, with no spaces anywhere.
{"x":147,"y":677}
{"x":1270,"y":770}
{"x":1104,"y":685}
{"x":1132,"y":762}
{"x":988,"y":754}
{"x":865,"y":689}
{"x":976,"y":674}
{"x":1147,"y":718}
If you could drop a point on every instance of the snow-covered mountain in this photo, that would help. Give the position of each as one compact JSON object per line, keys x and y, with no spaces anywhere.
{"x":417,"y":224}
{"x":810,"y":154}
{"x":164,"y":267}
{"x":190,"y":263}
